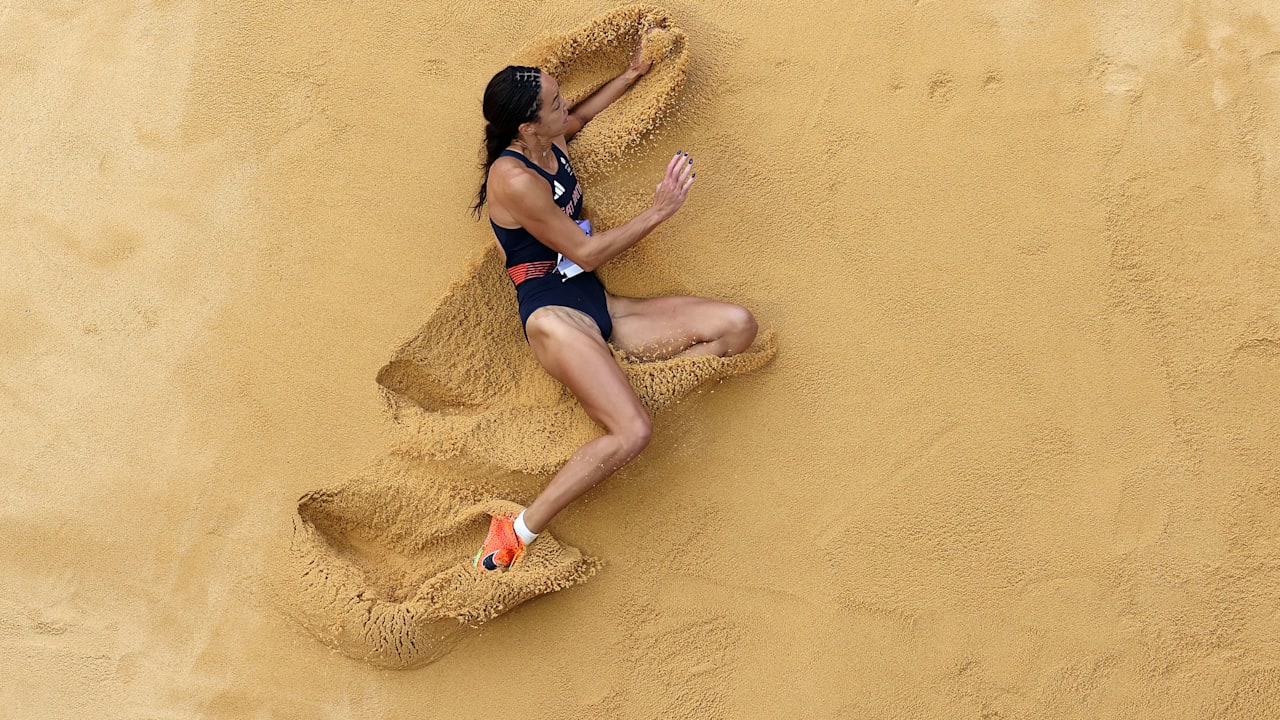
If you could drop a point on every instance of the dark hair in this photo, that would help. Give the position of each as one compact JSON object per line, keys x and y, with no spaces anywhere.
{"x":512,"y":98}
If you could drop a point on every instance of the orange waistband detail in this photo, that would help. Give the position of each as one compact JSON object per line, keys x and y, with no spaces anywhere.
{"x":530,"y":270}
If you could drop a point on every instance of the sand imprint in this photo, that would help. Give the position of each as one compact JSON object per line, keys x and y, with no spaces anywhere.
{"x":380,"y":566}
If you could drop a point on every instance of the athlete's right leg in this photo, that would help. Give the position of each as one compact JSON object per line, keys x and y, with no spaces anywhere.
{"x":568,"y":344}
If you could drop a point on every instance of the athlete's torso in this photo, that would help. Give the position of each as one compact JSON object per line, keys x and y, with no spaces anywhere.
{"x":518,"y":244}
{"x":532,"y":265}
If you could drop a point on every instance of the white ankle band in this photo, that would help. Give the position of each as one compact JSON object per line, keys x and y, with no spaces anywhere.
{"x":526,"y":535}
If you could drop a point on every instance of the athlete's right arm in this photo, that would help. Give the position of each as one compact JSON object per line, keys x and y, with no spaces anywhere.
{"x":525,"y":196}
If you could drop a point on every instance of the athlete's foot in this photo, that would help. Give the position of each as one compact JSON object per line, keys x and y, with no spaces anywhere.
{"x":502,"y":547}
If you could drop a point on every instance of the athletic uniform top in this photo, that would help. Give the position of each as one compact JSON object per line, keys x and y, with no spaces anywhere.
{"x":519,"y":244}
{"x":532,"y":265}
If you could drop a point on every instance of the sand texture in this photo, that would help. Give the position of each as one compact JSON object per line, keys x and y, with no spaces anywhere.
{"x":1015,"y":456}
{"x":380,"y":566}
{"x":590,"y":55}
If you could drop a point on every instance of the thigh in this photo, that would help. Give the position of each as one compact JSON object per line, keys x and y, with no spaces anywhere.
{"x":663,"y":327}
{"x":568,"y":345}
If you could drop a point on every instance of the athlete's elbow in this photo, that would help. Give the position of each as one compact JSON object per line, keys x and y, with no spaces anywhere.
{"x":584,"y":259}
{"x":588,"y":261}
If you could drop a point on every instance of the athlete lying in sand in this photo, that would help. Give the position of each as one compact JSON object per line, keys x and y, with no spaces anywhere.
{"x":535,"y":202}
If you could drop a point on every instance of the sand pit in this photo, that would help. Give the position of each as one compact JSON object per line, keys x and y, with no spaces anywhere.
{"x":380,"y":567}
{"x":1015,"y":458}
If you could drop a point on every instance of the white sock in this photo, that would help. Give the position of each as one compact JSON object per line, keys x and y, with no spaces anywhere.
{"x":526,"y":535}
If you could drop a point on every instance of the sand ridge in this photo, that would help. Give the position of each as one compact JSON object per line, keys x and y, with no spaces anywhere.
{"x":379,"y":567}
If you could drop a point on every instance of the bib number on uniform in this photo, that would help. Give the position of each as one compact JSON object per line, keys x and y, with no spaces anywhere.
{"x":566,"y":267}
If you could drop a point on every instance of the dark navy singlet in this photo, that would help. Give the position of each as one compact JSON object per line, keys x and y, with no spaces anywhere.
{"x":532,"y":265}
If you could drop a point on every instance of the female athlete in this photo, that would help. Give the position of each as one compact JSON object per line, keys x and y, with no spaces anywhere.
{"x":569,"y":318}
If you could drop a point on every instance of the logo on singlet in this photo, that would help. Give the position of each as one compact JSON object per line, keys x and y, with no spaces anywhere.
{"x":559,"y":189}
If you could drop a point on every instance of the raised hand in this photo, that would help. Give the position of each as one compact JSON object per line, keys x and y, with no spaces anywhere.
{"x":675,"y":185}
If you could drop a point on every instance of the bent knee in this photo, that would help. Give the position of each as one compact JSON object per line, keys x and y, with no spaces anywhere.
{"x":635,"y":433}
{"x":743,"y":327}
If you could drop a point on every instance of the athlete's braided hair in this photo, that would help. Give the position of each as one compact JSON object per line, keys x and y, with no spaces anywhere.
{"x":512,"y":98}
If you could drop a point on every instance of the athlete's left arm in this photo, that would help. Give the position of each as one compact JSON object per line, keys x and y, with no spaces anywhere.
{"x":582,"y":113}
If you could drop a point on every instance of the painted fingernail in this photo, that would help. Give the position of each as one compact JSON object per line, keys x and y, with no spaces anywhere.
{"x":679,"y":152}
{"x":690,"y":161}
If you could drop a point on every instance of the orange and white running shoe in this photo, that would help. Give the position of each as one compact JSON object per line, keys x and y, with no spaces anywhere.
{"x":502,"y":547}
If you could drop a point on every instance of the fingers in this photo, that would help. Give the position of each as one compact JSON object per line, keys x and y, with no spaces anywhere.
{"x":675,"y":162}
{"x":679,"y":173}
{"x":674,"y":188}
{"x":681,"y":161}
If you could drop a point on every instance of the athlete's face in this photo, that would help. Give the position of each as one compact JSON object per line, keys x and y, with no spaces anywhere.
{"x":554,"y":117}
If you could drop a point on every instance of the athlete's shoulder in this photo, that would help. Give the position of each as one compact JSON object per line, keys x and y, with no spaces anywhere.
{"x":515,"y":182}
{"x":506,"y":169}
{"x":504,"y":162}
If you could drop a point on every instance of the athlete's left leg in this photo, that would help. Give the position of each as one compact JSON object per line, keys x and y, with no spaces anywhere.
{"x":679,"y":326}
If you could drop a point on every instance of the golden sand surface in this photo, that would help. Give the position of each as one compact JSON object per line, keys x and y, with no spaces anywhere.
{"x":1015,"y":457}
{"x":380,"y":567}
